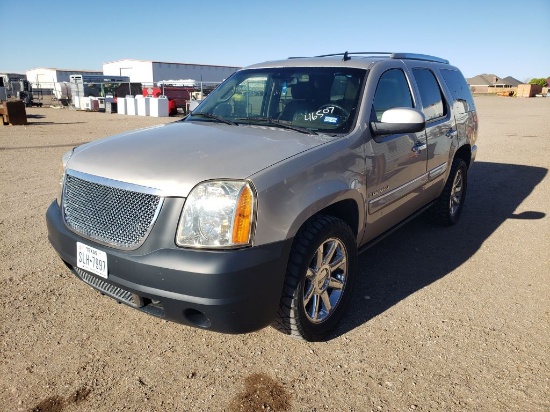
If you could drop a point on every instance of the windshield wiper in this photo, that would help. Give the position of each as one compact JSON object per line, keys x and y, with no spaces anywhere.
{"x":278,"y":123}
{"x":213,"y":116}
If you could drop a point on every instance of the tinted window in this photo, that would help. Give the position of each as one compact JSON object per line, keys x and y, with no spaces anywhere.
{"x":392,"y":91}
{"x":430,"y":93}
{"x":459,"y":88}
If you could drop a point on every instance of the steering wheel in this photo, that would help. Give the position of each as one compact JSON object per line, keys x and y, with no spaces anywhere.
{"x":335,"y":106}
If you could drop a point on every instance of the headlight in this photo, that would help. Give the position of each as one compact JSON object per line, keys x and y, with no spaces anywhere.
{"x":64,"y":161}
{"x":218,"y":214}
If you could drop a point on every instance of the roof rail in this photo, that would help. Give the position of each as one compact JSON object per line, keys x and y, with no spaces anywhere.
{"x":346,"y":55}
{"x":412,"y":56}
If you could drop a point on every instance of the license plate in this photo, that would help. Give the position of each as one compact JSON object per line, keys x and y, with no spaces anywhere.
{"x":91,"y":259}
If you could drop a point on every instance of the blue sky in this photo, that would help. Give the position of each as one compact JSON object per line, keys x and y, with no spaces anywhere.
{"x":506,"y":37}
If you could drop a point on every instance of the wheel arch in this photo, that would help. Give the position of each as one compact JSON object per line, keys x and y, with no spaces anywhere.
{"x":346,"y":206}
{"x":464,"y":153}
{"x":346,"y":210}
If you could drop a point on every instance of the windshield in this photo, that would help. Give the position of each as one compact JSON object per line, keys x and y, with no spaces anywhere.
{"x":318,"y":99}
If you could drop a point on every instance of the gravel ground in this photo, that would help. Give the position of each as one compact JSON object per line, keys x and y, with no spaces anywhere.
{"x":441,"y":319}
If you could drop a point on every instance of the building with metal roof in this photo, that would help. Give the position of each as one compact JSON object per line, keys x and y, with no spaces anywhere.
{"x":149,"y":72}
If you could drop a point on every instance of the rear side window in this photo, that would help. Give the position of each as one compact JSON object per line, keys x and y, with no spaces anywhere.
{"x":430,"y":93}
{"x":392,"y":91}
{"x":458,"y":87}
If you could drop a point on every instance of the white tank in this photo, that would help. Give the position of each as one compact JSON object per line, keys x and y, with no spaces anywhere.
{"x":62,"y":90}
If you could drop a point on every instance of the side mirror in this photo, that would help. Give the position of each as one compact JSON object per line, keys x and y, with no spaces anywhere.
{"x":399,"y":120}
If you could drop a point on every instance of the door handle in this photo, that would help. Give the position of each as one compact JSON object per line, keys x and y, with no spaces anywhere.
{"x":451,"y":133}
{"x":418,"y":147}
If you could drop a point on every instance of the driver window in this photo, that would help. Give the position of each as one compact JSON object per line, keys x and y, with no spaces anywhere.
{"x":392,"y":91}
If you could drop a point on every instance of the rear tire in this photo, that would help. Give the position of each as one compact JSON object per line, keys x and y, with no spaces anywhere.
{"x":448,"y":207}
{"x":319,"y":279}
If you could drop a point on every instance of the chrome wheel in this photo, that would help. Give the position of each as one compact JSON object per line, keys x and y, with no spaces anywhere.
{"x":321,"y":270}
{"x":456,"y":193}
{"x":325,"y":280}
{"x":448,"y":207}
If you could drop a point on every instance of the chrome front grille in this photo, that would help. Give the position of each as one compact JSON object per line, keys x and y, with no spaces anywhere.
{"x":110,"y":215}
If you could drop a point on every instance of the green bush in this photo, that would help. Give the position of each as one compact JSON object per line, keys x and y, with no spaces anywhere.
{"x":540,"y":81}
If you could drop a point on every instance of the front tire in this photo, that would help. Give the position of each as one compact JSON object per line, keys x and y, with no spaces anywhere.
{"x":448,"y":207}
{"x":319,"y":279}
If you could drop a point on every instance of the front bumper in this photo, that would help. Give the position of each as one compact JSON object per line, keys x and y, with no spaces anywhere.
{"x":230,"y":291}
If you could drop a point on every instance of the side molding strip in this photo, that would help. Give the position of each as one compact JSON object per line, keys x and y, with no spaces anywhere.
{"x":438,"y":171}
{"x":397,"y":193}
{"x":384,"y":200}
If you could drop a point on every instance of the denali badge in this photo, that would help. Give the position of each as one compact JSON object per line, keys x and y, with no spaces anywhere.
{"x":379,"y":191}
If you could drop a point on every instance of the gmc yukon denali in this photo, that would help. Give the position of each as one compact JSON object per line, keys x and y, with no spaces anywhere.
{"x":251,"y":211}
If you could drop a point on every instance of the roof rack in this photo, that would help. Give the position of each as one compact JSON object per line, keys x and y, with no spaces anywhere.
{"x":347,"y":54}
{"x":411,"y":56}
{"x":414,"y":56}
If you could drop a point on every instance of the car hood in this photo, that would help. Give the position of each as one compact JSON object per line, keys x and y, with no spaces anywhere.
{"x":173,"y":158}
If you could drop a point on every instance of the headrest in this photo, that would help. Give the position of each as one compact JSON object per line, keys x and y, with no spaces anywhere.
{"x":301,"y":91}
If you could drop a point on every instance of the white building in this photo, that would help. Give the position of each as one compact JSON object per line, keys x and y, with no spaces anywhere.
{"x":149,"y":72}
{"x":47,"y":78}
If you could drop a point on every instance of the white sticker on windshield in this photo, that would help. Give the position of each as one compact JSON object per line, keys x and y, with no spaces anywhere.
{"x":330,"y":119}
{"x":309,"y":117}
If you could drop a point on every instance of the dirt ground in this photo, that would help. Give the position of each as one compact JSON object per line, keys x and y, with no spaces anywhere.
{"x":442,"y":319}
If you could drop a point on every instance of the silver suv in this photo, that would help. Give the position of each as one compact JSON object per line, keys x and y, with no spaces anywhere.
{"x":251,"y":211}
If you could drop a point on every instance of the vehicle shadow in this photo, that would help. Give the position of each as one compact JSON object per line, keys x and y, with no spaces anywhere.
{"x":420,"y":253}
